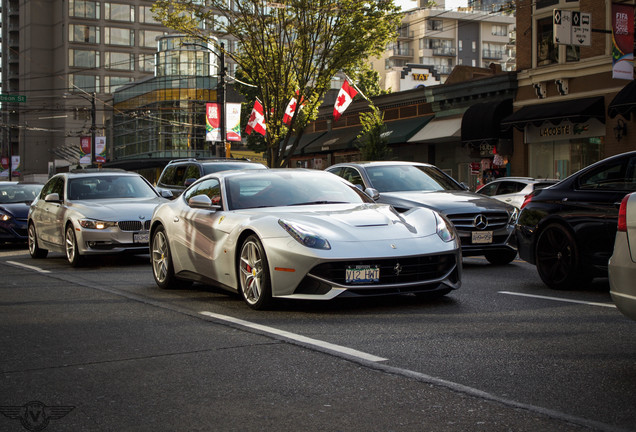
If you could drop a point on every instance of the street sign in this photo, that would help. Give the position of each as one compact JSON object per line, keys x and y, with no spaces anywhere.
{"x":12,"y":98}
{"x":572,"y":27}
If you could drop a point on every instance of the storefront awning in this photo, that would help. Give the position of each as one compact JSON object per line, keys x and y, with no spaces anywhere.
{"x":306,"y":140}
{"x":481,"y":122}
{"x":574,"y":110}
{"x":624,"y":102}
{"x":399,"y":131}
{"x":338,"y":139}
{"x":439,"y":130}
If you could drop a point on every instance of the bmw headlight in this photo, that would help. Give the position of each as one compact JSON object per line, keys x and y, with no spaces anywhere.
{"x":445,"y":229}
{"x":96,"y":224}
{"x":304,"y":235}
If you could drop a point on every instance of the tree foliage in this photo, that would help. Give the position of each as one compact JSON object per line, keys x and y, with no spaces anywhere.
{"x":288,"y":46}
{"x":372,"y":145}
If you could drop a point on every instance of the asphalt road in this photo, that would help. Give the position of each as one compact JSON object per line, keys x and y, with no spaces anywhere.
{"x":102,"y":348}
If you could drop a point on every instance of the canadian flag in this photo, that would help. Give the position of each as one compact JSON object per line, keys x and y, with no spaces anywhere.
{"x":345,"y":96}
{"x":291,"y":109}
{"x":257,"y":120}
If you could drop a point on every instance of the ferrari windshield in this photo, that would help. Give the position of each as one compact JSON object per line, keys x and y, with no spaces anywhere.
{"x":274,"y":188}
{"x":109,"y":187}
{"x":401,"y":178}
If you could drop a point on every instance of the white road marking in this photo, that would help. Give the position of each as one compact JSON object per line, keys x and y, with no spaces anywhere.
{"x":609,"y":305}
{"x":298,"y":338}
{"x":26,"y":266}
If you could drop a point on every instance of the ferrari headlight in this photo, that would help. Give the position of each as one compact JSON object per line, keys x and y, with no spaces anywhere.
{"x":304,"y":235}
{"x":445,"y":229}
{"x":96,"y":224}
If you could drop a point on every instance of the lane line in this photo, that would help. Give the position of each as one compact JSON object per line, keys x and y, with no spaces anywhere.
{"x":298,"y":338}
{"x":26,"y":266}
{"x":608,"y":305}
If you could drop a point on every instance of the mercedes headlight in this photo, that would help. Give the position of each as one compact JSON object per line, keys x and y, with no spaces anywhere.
{"x":514,"y":215}
{"x":445,"y":229}
{"x":5,"y":217}
{"x":304,"y":235}
{"x":96,"y":224}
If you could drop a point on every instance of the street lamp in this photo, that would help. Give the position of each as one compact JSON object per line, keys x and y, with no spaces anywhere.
{"x":220,"y":91}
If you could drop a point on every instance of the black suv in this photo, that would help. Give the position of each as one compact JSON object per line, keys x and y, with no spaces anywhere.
{"x":181,"y":173}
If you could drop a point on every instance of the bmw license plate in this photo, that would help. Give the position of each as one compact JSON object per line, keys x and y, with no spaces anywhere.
{"x":141,"y":237}
{"x":362,"y":274}
{"x":480,"y":237}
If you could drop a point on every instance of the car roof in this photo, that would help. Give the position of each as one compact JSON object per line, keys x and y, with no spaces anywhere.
{"x":92,"y":172}
{"x":382,"y":163}
{"x":525,"y":180}
{"x":209,"y":160}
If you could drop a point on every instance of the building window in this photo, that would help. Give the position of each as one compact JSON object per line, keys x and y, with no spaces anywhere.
{"x":83,"y":33}
{"x":119,"y":12}
{"x":146,"y":62}
{"x":145,"y":15}
{"x":119,"y":60}
{"x":84,"y":9}
{"x":83,"y":58}
{"x":434,"y":25}
{"x":547,"y":52}
{"x":499,"y":30}
{"x":88,"y":83}
{"x":114,"y":82}
{"x":460,"y":45}
{"x":119,"y":36}
{"x":493,"y":51}
{"x":148,"y":38}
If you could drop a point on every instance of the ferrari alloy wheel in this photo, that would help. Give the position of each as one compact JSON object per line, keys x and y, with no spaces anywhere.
{"x":162,"y":268}
{"x":72,"y":251}
{"x":34,"y":249}
{"x":254,"y":280}
{"x":558,"y":260}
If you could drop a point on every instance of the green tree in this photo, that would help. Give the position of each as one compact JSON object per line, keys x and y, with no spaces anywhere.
{"x":288,"y":46}
{"x":372,"y":145}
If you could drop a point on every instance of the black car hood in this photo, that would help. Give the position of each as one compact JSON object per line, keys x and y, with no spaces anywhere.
{"x":448,"y":202}
{"x":17,"y":210}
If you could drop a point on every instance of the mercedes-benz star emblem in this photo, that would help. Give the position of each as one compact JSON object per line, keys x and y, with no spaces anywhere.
{"x":480,"y":222}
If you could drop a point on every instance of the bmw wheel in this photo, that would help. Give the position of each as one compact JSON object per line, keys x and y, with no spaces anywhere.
{"x":72,"y":251}
{"x":254,"y":279}
{"x":162,"y":267}
{"x":558,"y":260}
{"x":34,"y":248}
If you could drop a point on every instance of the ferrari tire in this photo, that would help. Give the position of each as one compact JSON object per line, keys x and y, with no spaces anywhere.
{"x":558,"y":259}
{"x":34,"y":249}
{"x":162,"y":267}
{"x":253,"y":270}
{"x":72,"y":250}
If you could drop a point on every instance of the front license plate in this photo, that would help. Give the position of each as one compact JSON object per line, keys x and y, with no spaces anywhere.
{"x":362,"y":274}
{"x":480,"y":237}
{"x":141,"y":237}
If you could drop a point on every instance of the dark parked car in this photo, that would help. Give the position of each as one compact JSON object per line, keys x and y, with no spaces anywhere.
{"x":181,"y":173}
{"x":15,"y":199}
{"x":485,"y":225}
{"x":568,"y":230}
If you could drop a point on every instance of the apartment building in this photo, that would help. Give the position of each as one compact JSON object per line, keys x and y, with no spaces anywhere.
{"x":432,"y":41}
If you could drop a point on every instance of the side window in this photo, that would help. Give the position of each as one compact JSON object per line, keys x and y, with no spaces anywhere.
{"x":508,"y":187}
{"x":179,"y":173}
{"x":210,"y":187}
{"x":58,"y":187}
{"x":618,"y":176}
{"x":168,"y":176}
{"x":48,"y":187}
{"x":192,"y":172}
{"x":352,"y":175}
{"x":489,"y":189}
{"x":336,"y":171}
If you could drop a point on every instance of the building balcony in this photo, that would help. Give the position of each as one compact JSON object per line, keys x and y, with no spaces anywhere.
{"x":445,"y":52}
{"x":492,"y":54}
{"x":405,"y":34}
{"x":401,"y":52}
